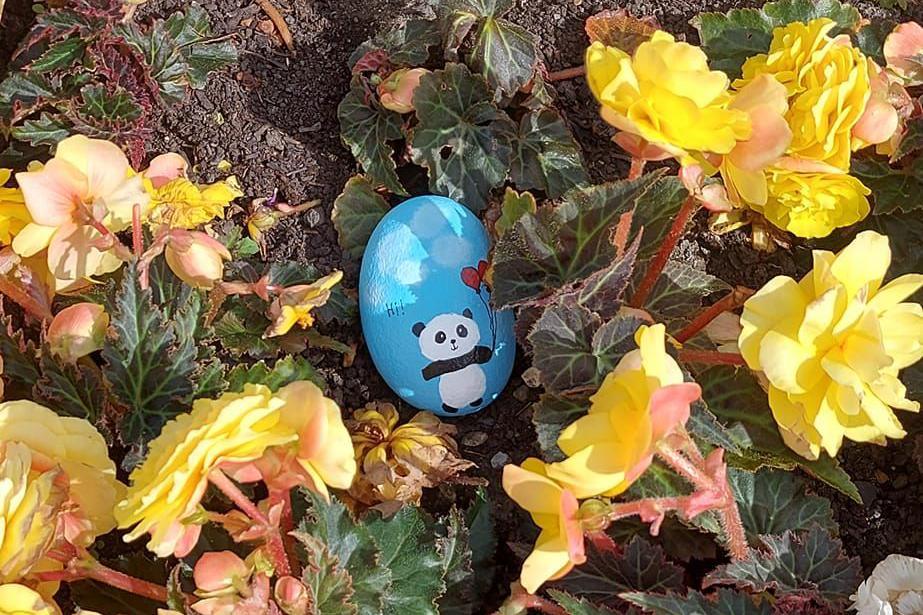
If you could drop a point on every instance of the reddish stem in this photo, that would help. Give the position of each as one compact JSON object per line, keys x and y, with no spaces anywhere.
{"x":655,"y":267}
{"x":731,"y":301}
{"x":287,"y":523}
{"x":637,"y":167}
{"x":733,"y":526}
{"x":684,"y":467}
{"x":91,"y":569}
{"x":274,"y":547}
{"x":567,"y":73}
{"x":710,"y":357}
{"x":137,"y":234}
{"x":117,"y":246}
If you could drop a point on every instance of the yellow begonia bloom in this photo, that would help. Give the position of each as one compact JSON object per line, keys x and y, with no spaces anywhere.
{"x":18,"y":599}
{"x":828,"y":82}
{"x":78,"y":448}
{"x":832,"y":345}
{"x":639,"y":402}
{"x":813,"y":204}
{"x":182,"y":204}
{"x":86,"y":177}
{"x":666,"y":94}
{"x":166,"y":488}
{"x":30,"y":502}
{"x":554,"y":509}
{"x":294,"y":304}
{"x":13,"y":213}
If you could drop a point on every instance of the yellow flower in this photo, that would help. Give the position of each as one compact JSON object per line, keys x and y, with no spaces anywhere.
{"x":397,"y":462}
{"x":642,"y":400}
{"x":13,"y":213}
{"x":554,"y":509}
{"x":182,"y":204}
{"x":78,"y":448}
{"x":18,"y":599}
{"x":813,"y":204}
{"x":294,"y":304}
{"x":166,"y":488}
{"x":832,"y":345}
{"x":666,"y":94}
{"x":828,"y":81}
{"x":30,"y":502}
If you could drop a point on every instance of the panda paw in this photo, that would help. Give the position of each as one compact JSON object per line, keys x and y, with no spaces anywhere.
{"x":449,"y":409}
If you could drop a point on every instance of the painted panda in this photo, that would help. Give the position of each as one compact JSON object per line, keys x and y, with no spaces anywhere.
{"x":450,"y":341}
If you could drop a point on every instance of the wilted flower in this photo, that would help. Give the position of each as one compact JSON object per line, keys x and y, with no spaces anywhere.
{"x":554,"y":509}
{"x":813,"y":204}
{"x":639,"y":403}
{"x":31,"y":499}
{"x":397,"y":462}
{"x":666,"y":94}
{"x":292,"y":596}
{"x":832,"y":345}
{"x":78,"y":448}
{"x":894,"y":588}
{"x":166,"y":488}
{"x":16,"y":599}
{"x":13,"y":213}
{"x":88,"y":179}
{"x":196,"y":258}
{"x":295,"y":303}
{"x":903,"y":50}
{"x":396,"y":91}
{"x":218,"y":573}
{"x":78,"y":330}
{"x":179,"y":203}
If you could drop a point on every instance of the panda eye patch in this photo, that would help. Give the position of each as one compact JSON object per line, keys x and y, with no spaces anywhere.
{"x":461,"y":331}
{"x":440,"y":337}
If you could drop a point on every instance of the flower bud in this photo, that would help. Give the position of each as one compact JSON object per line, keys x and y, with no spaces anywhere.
{"x":292,"y":596}
{"x":77,"y":331}
{"x":196,"y":258}
{"x":219,"y":572}
{"x":396,"y":92}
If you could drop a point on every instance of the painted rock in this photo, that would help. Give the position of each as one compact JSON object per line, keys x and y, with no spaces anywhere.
{"x":426,"y":312}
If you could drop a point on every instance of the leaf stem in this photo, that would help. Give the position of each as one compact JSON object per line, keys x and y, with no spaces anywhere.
{"x":274,"y":546}
{"x":565,"y":74}
{"x":89,"y":568}
{"x":731,"y":301}
{"x":655,"y":267}
{"x":710,"y":357}
{"x":287,"y":523}
{"x":637,"y":167}
{"x":137,"y":233}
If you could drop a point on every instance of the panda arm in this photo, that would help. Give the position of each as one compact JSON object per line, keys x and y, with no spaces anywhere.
{"x":482,"y":354}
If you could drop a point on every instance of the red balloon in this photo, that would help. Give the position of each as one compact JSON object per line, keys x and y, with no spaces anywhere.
{"x":471,"y":278}
{"x":482,"y":269}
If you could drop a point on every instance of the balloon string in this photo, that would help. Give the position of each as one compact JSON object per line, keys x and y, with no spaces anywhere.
{"x":491,"y":318}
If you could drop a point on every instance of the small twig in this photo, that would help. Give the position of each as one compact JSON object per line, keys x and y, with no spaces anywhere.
{"x":732,"y":301}
{"x":710,"y":357}
{"x":567,"y":73}
{"x":279,"y":22}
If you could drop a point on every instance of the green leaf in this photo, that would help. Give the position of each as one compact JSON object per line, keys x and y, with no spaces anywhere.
{"x":729,"y":39}
{"x":706,"y":427}
{"x":654,"y":214}
{"x":577,"y":606}
{"x":407,"y":45}
{"x":461,"y":138}
{"x":24,"y":90}
{"x":678,"y":294}
{"x":505,"y":54}
{"x":20,"y":357}
{"x":546,"y":156}
{"x":353,"y":547}
{"x":870,"y":38}
{"x":356,"y":213}
{"x":241,"y":332}
{"x":773,"y":501}
{"x":408,"y":550}
{"x":46,"y":130}
{"x":460,"y":596}
{"x":810,"y":565}
{"x":167,"y":67}
{"x":563,"y":244}
{"x":893,"y":190}
{"x":329,"y":585}
{"x":723,"y":602}
{"x":735,"y":397}
{"x":562,"y":345}
{"x":149,"y":366}
{"x":285,"y":371}
{"x":482,"y":540}
{"x":610,"y":570}
{"x":110,"y":106}
{"x":550,"y":415}
{"x":191,"y":32}
{"x":71,"y":389}
{"x":367,"y":130}
{"x":514,"y":206}
{"x":60,"y":55}
{"x":911,"y":141}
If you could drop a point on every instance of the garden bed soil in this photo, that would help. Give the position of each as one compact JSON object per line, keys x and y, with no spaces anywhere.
{"x":273,"y":117}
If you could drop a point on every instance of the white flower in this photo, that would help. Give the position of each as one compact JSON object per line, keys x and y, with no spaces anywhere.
{"x":895,"y":588}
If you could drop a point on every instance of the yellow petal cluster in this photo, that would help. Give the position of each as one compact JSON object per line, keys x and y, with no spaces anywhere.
{"x":77,"y":447}
{"x":182,"y":204}
{"x":31,"y":500}
{"x":294,"y":304}
{"x":831,"y":347}
{"x":13,"y":213}
{"x":16,"y":599}
{"x":665,"y":93}
{"x":397,"y":461}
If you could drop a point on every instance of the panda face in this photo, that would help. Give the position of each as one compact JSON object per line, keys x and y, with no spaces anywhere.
{"x":447,"y":336}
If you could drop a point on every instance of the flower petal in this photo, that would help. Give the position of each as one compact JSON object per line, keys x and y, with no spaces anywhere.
{"x":53,"y":193}
{"x":101,"y":162}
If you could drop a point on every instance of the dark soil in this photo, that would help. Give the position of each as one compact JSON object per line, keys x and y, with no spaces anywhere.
{"x":273,"y":117}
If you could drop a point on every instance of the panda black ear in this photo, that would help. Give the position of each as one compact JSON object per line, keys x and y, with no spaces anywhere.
{"x":467,"y":313}
{"x":418,"y":328}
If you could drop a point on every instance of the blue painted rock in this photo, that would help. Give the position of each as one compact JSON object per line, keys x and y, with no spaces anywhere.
{"x":426,"y":312}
